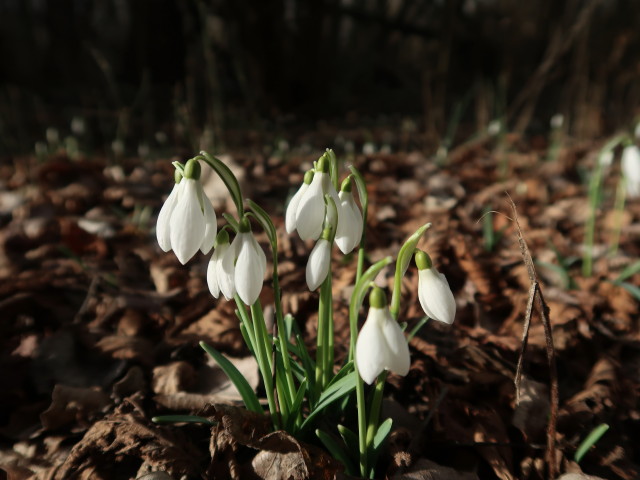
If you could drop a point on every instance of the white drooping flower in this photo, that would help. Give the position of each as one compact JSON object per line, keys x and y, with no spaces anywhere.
{"x":318,"y":263}
{"x":311,"y":207}
{"x":434,"y":292}
{"x":631,"y":169}
{"x":250,"y":267}
{"x":187,"y":221}
{"x":350,"y":224}
{"x":292,"y":208}
{"x":226,"y":269}
{"x":381,"y":344}
{"x":214,"y":269}
{"x":162,"y":227}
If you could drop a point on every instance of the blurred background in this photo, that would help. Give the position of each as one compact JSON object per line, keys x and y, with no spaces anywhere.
{"x":153,"y":76}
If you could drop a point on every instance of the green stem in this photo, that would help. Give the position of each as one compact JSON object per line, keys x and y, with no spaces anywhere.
{"x":325,"y":331}
{"x":376,"y":404}
{"x":329,"y":353}
{"x":590,"y":227}
{"x":621,"y":196}
{"x":264,"y":360}
{"x":360,"y":266}
{"x":362,"y":423}
{"x":282,"y":339}
{"x":394,"y":306}
{"x":246,"y":320}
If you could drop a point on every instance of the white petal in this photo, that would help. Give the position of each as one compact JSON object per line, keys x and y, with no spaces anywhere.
{"x":318,"y":264}
{"x":212,"y":270}
{"x":349,"y":229}
{"x":310,"y":212}
{"x":260,"y":254}
{"x":435,"y":295}
{"x":211,"y":224}
{"x":292,"y":208}
{"x":187,"y":223}
{"x":162,"y":227}
{"x":371,"y":348}
{"x":249,"y":274}
{"x":398,"y":359}
{"x":631,"y":169}
{"x":227,"y":270}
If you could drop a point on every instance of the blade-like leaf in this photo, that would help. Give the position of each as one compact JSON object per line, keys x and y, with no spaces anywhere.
{"x":266,"y":223}
{"x":350,"y":438}
{"x":406,"y":251}
{"x":629,"y":271}
{"x":334,"y":391}
{"x":590,"y":441}
{"x":228,"y":178}
{"x":336,"y":450}
{"x":246,"y":392}
{"x":383,"y":432}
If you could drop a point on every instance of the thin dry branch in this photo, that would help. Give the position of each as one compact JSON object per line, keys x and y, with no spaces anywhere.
{"x":536,"y":297}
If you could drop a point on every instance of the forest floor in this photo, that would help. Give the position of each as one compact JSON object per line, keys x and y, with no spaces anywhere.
{"x":99,"y":328}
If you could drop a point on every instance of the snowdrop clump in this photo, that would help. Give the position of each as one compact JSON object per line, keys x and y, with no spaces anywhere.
{"x":237,"y":267}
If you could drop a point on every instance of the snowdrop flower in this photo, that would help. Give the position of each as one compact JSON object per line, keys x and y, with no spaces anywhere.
{"x":434,"y":293}
{"x":381,"y":344}
{"x":214,"y":269}
{"x":187,"y":221}
{"x":226,"y":269}
{"x":251,"y":265}
{"x":319,"y":260}
{"x":631,"y":169}
{"x":311,"y":209}
{"x":292,"y":208}
{"x":162,"y":227}
{"x":350,"y":224}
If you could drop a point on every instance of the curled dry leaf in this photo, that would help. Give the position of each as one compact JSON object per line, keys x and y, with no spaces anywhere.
{"x":73,"y":404}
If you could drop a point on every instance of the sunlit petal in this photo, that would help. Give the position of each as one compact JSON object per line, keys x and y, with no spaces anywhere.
{"x":371,"y":348}
{"x":318,"y":264}
{"x":292,"y":208}
{"x":250,"y":268}
{"x":435,"y":295}
{"x":162,"y":227}
{"x":211,"y":224}
{"x":187,"y":222}
{"x":310,"y":212}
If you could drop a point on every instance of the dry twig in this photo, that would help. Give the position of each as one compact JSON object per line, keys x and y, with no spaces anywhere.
{"x":535,"y":296}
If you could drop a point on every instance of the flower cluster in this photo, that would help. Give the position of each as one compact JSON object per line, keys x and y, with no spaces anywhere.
{"x":310,"y":213}
{"x":187,"y":222}
{"x":381,"y":344}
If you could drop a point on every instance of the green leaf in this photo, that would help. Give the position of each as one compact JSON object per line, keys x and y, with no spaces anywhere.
{"x":335,"y":391}
{"x":288,"y":324}
{"x":406,"y":251}
{"x":228,"y":178}
{"x":629,"y":271}
{"x":632,"y":289}
{"x":383,"y":432}
{"x":267,"y":224}
{"x":182,"y":419}
{"x":296,"y":406}
{"x":590,"y":441}
{"x":246,"y":392}
{"x":350,"y":439}
{"x":336,"y":451}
